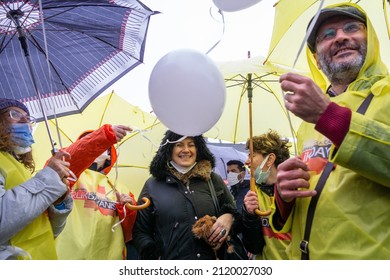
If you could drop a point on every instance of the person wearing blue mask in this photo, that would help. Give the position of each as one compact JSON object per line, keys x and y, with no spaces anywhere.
{"x":30,"y":216}
{"x":269,"y":150}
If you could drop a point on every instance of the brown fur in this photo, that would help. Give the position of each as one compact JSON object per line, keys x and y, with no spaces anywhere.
{"x":202,"y":230}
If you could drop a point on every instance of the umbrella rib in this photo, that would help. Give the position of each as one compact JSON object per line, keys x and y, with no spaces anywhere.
{"x":139,"y":132}
{"x":2,"y":46}
{"x":41,"y":50}
{"x":235,"y":85}
{"x":265,"y":75}
{"x":96,"y":38}
{"x":244,"y":89}
{"x":238,"y":79}
{"x":386,"y":18}
{"x":105,"y":108}
{"x":62,"y":131}
{"x":9,"y":27}
{"x":263,"y":88}
{"x":133,"y":166}
{"x":241,"y":80}
{"x":257,"y":82}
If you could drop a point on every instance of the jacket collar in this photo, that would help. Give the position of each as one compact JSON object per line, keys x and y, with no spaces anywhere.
{"x":201,"y":170}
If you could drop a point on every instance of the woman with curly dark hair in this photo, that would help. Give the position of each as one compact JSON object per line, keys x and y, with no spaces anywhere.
{"x":180,"y":194}
{"x":33,"y":210}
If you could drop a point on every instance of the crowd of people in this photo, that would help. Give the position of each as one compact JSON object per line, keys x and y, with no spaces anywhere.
{"x":327,"y":202}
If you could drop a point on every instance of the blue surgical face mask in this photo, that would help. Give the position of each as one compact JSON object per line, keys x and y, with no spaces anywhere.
{"x":21,"y":134}
{"x":260,"y":176}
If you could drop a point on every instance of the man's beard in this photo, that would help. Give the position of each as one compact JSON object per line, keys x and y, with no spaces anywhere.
{"x":344,"y":72}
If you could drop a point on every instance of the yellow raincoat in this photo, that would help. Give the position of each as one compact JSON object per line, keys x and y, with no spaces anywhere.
{"x":276,"y":243}
{"x":94,"y":227}
{"x":89,"y":233}
{"x":36,"y":238}
{"x":351,"y":220}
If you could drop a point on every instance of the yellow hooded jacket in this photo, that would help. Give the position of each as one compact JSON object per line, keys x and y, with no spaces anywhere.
{"x":351,"y":218}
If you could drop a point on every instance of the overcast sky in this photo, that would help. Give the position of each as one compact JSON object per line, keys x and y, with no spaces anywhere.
{"x":191,"y":24}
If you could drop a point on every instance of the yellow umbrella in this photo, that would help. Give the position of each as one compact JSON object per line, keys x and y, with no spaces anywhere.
{"x":254,"y":104}
{"x":291,"y":20}
{"x":268,"y":106}
{"x":135,"y":151}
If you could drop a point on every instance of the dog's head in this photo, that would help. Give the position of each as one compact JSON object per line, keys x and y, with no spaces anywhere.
{"x":202,"y":229}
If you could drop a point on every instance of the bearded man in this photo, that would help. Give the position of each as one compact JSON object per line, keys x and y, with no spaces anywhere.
{"x":335,"y":196}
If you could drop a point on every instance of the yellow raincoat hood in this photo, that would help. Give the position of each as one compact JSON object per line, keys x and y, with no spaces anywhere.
{"x":373,"y":66}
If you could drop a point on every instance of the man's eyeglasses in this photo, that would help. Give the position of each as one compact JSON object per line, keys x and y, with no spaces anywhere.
{"x":17,"y":116}
{"x":348,"y":28}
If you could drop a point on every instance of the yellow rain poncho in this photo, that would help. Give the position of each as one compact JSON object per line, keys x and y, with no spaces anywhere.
{"x":351,"y":220}
{"x":275,"y":242}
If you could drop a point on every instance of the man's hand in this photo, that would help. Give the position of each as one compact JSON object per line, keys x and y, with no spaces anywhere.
{"x":293,"y":180}
{"x":303,"y":97}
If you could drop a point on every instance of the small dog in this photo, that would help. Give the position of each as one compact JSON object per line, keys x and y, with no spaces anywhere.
{"x":201,"y":229}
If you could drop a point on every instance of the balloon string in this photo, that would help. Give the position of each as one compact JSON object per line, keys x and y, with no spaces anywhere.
{"x":113,"y":185}
{"x":291,"y":128}
{"x":121,"y":221}
{"x":142,"y":133}
{"x":116,"y":168}
{"x":157,"y":146}
{"x":176,"y":141}
{"x":223,"y":30}
{"x":309,"y":30}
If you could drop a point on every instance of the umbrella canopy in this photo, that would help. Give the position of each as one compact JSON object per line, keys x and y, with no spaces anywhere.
{"x":223,"y":152}
{"x":135,"y":151}
{"x":254,"y":104}
{"x":292,"y":18}
{"x":267,"y":101}
{"x":71,"y":51}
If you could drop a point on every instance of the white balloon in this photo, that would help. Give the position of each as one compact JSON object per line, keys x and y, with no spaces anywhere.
{"x":187,"y":92}
{"x":234,"y":5}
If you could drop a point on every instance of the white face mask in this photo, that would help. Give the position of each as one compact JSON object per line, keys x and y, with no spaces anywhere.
{"x":260,"y":176}
{"x":232,"y":178}
{"x":21,"y":150}
{"x":181,"y":169}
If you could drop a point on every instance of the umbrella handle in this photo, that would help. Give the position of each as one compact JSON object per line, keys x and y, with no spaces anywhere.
{"x":139,"y":207}
{"x":252,"y":179}
{"x":259,"y":212}
{"x":265,"y":212}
